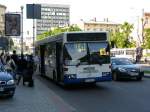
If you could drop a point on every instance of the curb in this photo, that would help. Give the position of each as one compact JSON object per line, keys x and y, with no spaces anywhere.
{"x":146,"y":76}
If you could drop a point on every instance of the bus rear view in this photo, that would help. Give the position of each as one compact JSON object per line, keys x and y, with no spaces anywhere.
{"x":86,"y":57}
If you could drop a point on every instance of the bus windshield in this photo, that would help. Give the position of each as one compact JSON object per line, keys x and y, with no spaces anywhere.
{"x":75,"y":53}
{"x":99,"y":53}
{"x":86,"y":53}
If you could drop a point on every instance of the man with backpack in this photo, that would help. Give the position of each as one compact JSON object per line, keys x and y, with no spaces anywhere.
{"x":28,"y":73}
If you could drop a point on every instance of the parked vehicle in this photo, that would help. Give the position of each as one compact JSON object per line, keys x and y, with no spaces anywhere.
{"x":125,"y":68}
{"x":7,"y":83}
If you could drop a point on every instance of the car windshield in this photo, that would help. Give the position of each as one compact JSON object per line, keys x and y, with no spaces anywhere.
{"x":121,"y":61}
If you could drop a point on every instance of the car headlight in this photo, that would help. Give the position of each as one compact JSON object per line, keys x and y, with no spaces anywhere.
{"x":122,"y":69}
{"x":72,"y":76}
{"x":11,"y":82}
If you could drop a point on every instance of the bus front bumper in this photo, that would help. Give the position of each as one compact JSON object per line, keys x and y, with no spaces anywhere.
{"x":86,"y":80}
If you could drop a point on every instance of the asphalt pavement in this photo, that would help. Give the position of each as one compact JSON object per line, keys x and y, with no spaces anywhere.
{"x":46,"y":96}
{"x":34,"y":99}
{"x":120,"y":96}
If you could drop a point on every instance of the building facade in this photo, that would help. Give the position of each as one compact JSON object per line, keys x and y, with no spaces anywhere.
{"x":52,"y":15}
{"x":2,"y":21}
{"x":27,"y":45}
{"x":100,"y":26}
{"x":146,"y":20}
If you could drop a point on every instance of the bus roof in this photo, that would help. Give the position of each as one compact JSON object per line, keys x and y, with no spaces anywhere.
{"x":58,"y":37}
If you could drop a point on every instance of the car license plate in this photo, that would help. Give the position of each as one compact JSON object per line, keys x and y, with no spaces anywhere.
{"x":89,"y":80}
{"x":1,"y":89}
{"x":134,"y":74}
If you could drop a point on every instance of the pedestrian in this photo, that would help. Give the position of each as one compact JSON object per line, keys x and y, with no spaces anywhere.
{"x":22,"y":67}
{"x":11,"y":66}
{"x":2,"y":58}
{"x":14,"y":56}
{"x":28,"y":77}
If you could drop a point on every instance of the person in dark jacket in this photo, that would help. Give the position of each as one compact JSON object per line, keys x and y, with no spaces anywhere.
{"x":2,"y":59}
{"x":14,"y":56}
{"x":22,"y":67}
{"x":28,"y":76}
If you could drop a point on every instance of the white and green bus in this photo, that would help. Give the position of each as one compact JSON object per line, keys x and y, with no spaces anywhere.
{"x":75,"y":57}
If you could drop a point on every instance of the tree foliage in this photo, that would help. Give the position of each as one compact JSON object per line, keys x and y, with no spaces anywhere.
{"x":122,"y":38}
{"x":147,"y":39}
{"x":58,"y":30}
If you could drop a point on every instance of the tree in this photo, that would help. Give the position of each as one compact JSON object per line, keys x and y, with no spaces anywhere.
{"x":147,"y":38}
{"x":44,"y":35}
{"x":122,"y":38}
{"x":58,"y":30}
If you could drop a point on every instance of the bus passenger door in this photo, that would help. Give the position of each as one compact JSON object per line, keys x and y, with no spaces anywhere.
{"x":59,"y":60}
{"x":42,"y":59}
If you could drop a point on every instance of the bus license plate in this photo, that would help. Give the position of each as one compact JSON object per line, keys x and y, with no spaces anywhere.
{"x":1,"y":89}
{"x":89,"y":80}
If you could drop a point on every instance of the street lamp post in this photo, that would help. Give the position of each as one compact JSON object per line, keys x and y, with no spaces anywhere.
{"x":83,"y":22}
{"x":21,"y":31}
{"x":33,"y":29}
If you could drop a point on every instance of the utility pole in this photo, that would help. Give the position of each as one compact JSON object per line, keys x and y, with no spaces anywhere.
{"x":33,"y":12}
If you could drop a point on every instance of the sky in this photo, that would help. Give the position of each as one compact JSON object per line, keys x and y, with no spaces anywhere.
{"x":115,"y":10}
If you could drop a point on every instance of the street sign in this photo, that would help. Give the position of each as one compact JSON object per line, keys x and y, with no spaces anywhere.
{"x":12,"y":24}
{"x":33,"y":11}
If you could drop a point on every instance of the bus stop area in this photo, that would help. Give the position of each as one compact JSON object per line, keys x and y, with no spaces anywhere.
{"x":34,"y":99}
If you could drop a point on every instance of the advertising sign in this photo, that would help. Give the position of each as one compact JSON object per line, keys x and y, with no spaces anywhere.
{"x":12,"y":24}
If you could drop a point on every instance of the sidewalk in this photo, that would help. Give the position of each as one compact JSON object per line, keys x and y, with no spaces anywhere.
{"x":147,"y":75}
{"x":145,"y":67}
{"x":38,"y":99}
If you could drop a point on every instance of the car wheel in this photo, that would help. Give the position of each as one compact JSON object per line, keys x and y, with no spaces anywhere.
{"x":115,"y":76}
{"x":11,"y":96}
{"x":139,"y":78}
